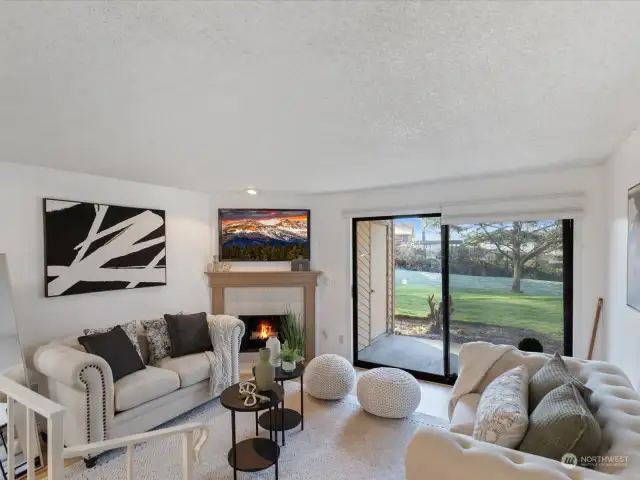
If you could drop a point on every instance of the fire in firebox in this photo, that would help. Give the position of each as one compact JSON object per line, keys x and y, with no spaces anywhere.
{"x":259,"y":328}
{"x":263,"y":331}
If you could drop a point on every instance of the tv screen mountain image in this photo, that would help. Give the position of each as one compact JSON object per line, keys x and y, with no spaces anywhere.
{"x":263,"y":234}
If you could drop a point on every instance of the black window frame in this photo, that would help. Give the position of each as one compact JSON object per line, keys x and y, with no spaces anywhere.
{"x":449,"y":377}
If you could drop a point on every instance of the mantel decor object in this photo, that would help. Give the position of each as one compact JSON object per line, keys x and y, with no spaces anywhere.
{"x":218,"y":266}
{"x":300,"y":265}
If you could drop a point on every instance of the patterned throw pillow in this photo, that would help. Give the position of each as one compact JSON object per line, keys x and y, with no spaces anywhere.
{"x":552,"y":374}
{"x":129,"y":328}
{"x":158,"y":338}
{"x":562,"y":424}
{"x":502,"y":415}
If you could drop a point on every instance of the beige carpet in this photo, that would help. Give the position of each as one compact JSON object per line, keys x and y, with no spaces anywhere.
{"x":340,"y":441}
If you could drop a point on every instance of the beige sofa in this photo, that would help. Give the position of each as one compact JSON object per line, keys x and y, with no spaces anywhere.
{"x":455,"y":455}
{"x":98,"y":409}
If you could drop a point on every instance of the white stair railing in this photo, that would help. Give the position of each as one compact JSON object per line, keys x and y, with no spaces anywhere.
{"x":194,"y":435}
{"x":19,"y":396}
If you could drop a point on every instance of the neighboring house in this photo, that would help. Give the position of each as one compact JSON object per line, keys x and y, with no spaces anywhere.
{"x":403,"y":233}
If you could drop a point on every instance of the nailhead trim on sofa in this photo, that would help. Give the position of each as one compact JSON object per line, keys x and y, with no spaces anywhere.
{"x":88,"y":403}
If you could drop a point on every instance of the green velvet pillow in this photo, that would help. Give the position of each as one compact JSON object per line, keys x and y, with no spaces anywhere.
{"x":562,"y":424}
{"x":553,"y":374}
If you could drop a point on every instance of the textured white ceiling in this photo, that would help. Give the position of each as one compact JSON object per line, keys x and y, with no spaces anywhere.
{"x":311,"y":96}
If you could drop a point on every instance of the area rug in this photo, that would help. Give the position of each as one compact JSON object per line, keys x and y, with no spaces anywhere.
{"x":340,"y":441}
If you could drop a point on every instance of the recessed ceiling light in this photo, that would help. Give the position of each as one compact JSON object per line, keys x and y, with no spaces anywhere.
{"x":251,"y":191}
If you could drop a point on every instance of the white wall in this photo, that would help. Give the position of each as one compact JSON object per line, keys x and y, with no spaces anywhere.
{"x":621,"y":323}
{"x":21,"y":237}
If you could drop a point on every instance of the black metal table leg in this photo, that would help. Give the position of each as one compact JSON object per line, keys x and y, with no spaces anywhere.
{"x":233,"y":439}
{"x":274,"y":422}
{"x":275,"y":429}
{"x":282,"y":416}
{"x":257,"y":424}
{"x":270,"y":420}
{"x":273,"y":414}
{"x":302,"y":401}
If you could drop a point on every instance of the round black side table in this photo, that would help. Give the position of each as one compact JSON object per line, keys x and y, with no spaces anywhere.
{"x":288,"y":418}
{"x":253,"y":454}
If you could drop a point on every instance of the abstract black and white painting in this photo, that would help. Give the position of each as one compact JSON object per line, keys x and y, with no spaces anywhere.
{"x":92,"y":247}
{"x":633,"y":248}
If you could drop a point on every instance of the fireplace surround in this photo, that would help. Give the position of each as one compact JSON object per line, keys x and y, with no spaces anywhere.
{"x":307,"y":281}
{"x":258,"y":329}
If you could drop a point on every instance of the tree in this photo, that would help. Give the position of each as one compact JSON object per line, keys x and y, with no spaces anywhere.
{"x":429,"y":223}
{"x":518,"y":242}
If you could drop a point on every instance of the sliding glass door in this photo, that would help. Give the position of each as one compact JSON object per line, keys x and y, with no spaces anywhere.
{"x":421,"y":289}
{"x":510,"y":281}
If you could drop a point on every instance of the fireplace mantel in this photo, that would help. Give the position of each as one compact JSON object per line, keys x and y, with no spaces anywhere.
{"x":268,"y":279}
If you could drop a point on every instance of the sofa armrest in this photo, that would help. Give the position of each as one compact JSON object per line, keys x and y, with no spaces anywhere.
{"x":67,"y":365}
{"x":226,"y":333}
{"x":438,"y":453}
{"x":83,"y":384}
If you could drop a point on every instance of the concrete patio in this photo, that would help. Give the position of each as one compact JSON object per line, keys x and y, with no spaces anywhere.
{"x":411,"y":353}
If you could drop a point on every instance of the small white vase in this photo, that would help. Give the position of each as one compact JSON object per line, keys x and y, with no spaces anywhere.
{"x":288,"y":366}
{"x":273,"y":344}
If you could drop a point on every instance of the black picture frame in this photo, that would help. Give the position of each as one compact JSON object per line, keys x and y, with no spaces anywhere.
{"x":284,"y":211}
{"x":56,"y":246}
{"x":633,"y":250}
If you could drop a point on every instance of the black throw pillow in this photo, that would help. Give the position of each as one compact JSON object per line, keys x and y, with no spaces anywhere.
{"x":188,"y":333}
{"x":116,"y":348}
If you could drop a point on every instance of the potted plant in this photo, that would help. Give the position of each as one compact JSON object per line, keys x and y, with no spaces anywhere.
{"x":289,"y":356}
{"x":292,"y":331}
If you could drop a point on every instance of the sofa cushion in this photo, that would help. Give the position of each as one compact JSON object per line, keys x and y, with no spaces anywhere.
{"x":144,"y":386}
{"x":464,"y":415}
{"x":562,"y":424}
{"x":191,"y":368}
{"x":116,"y":348}
{"x":189,"y":334}
{"x":502,"y":416}
{"x":553,"y":374}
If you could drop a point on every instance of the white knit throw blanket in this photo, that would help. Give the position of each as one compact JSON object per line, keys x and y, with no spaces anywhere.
{"x":221,"y":360}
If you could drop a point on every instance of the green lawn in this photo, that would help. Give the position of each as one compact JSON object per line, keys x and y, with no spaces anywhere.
{"x":540,"y":313}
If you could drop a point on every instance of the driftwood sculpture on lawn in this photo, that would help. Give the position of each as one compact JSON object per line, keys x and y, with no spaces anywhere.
{"x":436,"y":314}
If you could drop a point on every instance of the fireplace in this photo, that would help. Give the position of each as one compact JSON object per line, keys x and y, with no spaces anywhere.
{"x":258,"y":329}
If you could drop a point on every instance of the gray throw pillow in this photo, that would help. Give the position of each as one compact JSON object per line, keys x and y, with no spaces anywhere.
{"x":562,"y":424}
{"x":129,"y":328}
{"x":553,"y":374}
{"x":158,"y":338}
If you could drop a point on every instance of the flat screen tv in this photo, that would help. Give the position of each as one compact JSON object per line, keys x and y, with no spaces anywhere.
{"x":264,"y":234}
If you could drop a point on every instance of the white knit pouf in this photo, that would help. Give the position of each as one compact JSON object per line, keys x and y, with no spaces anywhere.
{"x":329,"y":377}
{"x":388,"y":392}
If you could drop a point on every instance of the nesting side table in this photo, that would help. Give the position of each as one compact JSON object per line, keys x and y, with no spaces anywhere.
{"x":253,"y":454}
